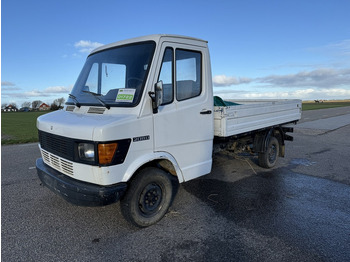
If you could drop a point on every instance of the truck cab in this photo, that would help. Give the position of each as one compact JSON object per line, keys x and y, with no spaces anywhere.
{"x":139,"y":120}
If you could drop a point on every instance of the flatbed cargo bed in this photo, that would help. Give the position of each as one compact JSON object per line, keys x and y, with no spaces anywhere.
{"x":250,"y":115}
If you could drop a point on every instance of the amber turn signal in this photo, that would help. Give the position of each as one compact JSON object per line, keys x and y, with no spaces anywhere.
{"x":106,"y":153}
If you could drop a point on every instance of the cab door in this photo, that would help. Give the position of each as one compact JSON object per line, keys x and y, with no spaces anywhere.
{"x":184,"y":124}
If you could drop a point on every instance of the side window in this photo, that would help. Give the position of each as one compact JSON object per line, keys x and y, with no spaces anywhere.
{"x":166,"y":75}
{"x":188,"y":74}
{"x":92,"y":80}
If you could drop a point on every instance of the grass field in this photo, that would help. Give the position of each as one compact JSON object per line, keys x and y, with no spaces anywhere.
{"x":327,"y":104}
{"x":19,"y":127}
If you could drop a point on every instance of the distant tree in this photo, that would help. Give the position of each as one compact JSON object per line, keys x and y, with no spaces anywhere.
{"x":26,"y":104}
{"x":3,"y":105}
{"x":36,"y":104}
{"x":57,"y":103}
{"x":54,"y":107}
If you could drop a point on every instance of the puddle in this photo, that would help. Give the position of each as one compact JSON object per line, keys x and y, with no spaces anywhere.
{"x":302,"y":162}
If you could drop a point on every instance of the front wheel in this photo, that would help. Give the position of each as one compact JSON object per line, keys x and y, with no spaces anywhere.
{"x":149,"y":196}
{"x":268,"y":159}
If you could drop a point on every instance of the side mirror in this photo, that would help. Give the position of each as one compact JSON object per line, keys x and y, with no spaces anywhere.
{"x":159,"y":93}
{"x":157,"y":96}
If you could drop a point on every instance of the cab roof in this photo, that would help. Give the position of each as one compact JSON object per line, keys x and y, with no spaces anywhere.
{"x":156,"y":38}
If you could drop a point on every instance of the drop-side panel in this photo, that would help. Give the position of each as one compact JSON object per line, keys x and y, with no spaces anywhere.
{"x":253,"y":115}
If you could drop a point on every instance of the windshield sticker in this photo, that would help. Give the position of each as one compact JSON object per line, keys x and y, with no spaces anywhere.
{"x":126,"y":95}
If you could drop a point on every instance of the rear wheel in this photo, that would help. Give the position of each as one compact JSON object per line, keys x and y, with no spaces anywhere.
{"x":149,"y":196}
{"x":268,"y":159}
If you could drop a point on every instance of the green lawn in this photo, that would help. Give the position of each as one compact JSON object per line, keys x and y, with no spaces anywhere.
{"x":19,"y":127}
{"x":314,"y":106}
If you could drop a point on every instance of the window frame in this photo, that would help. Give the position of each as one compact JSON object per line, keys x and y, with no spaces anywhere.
{"x":172,"y":73}
{"x":200,"y":77}
{"x":78,"y":86}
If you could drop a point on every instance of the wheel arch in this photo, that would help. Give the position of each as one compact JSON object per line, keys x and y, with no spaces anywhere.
{"x":161,"y":160}
{"x":280,"y":135}
{"x":261,"y":140}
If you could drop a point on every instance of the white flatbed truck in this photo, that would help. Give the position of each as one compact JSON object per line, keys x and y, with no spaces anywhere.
{"x":141,"y":119}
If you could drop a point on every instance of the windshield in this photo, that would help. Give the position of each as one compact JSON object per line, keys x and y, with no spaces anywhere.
{"x":114,"y":77}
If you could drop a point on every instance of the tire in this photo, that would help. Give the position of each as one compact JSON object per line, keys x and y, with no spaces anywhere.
{"x":269,"y":158}
{"x":149,"y":196}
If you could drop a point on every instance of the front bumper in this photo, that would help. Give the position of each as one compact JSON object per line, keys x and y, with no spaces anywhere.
{"x":78,"y":192}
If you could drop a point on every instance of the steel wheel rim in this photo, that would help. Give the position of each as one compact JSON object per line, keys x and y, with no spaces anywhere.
{"x":272,"y":153}
{"x":150,"y":199}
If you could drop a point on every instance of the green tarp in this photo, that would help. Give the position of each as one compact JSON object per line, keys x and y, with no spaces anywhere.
{"x":219,"y":102}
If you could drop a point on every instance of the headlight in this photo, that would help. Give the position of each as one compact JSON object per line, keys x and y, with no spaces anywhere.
{"x":101,"y":153}
{"x":86,"y":151}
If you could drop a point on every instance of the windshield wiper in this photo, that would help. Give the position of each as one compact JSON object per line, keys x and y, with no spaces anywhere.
{"x":99,"y":99}
{"x":75,"y":100}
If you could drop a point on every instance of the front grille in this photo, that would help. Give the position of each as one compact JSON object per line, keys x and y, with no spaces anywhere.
{"x":57,"y":163}
{"x":65,"y":148}
{"x":57,"y":145}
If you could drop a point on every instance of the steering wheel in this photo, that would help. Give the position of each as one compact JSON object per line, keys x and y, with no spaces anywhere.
{"x":134,"y":82}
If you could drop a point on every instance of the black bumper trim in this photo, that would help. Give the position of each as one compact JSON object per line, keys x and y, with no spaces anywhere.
{"x":78,"y":192}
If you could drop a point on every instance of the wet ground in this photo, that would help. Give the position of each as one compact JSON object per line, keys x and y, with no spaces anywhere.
{"x":304,"y":213}
{"x":298,"y":211}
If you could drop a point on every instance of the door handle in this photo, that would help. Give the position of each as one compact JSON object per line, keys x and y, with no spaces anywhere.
{"x":205,"y":112}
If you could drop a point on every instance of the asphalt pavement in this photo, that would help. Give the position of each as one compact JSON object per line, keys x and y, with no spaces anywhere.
{"x":297,"y":211}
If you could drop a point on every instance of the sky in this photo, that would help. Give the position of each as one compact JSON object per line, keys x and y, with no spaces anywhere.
{"x":259,"y":49}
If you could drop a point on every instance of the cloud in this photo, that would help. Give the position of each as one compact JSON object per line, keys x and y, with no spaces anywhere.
{"x":57,"y":89}
{"x":25,"y":95}
{"x":319,"y":78}
{"x":341,"y":48}
{"x":305,"y":94}
{"x":7,"y":83}
{"x":48,"y":92}
{"x":86,"y":46}
{"x":35,"y":93}
{"x":223,"y":80}
{"x":324,"y":77}
{"x":344,"y":93}
{"x":10,"y":88}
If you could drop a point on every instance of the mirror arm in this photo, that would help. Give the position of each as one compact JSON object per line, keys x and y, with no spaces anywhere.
{"x":152,"y":95}
{"x":157,"y":96}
